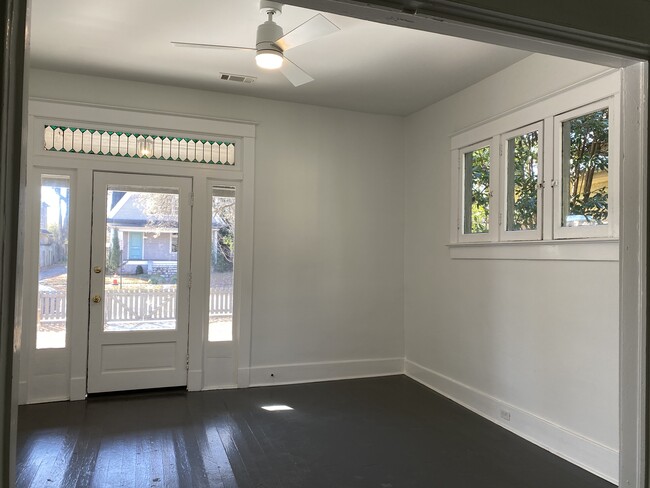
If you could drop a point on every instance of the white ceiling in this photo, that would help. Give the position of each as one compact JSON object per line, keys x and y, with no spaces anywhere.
{"x":365,"y":66}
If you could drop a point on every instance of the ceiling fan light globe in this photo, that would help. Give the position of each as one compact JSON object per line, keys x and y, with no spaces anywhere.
{"x":269,"y":59}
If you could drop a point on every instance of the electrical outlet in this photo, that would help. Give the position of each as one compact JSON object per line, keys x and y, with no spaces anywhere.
{"x":505,"y":415}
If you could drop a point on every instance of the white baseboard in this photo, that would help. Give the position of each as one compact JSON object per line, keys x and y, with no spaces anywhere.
{"x":286,"y":374}
{"x":586,"y":453}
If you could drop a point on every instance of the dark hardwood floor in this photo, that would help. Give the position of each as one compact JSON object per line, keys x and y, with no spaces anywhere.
{"x":386,"y":432}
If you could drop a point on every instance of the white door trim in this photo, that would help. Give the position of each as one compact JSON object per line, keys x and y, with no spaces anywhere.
{"x":74,"y":356}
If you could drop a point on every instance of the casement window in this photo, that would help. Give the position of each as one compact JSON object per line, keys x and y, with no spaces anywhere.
{"x":521,"y":208}
{"x":551,"y":180}
{"x":477,"y":194}
{"x":586,"y":173}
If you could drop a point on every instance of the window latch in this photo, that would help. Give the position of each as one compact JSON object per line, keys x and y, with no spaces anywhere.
{"x":554,"y":183}
{"x":541,"y":185}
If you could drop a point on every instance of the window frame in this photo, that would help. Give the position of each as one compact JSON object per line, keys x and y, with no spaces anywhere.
{"x":597,"y":90}
{"x":488,"y":236}
{"x":521,"y":235}
{"x":609,"y":230}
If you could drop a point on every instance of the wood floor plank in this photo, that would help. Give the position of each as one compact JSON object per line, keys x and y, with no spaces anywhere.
{"x":386,"y":432}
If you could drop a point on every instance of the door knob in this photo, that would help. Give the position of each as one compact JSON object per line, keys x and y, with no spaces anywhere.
{"x":97,"y":269}
{"x":97,"y":299}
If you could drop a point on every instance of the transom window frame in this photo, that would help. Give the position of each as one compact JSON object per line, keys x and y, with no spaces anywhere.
{"x":601,"y":90}
{"x":188,"y":127}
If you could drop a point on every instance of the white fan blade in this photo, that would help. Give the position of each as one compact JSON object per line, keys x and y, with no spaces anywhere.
{"x":210,"y":46}
{"x":317,"y":26}
{"x":294,"y":74}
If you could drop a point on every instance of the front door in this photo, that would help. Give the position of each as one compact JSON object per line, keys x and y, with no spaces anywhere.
{"x":139,"y":285}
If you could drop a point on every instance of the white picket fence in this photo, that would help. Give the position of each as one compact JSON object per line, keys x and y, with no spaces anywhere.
{"x":133,"y":305}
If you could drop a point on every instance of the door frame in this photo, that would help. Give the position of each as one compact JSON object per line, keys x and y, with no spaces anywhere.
{"x":67,"y":368}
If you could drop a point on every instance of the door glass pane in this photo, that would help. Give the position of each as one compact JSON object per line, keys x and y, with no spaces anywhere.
{"x":585,"y":169}
{"x":140,"y":291}
{"x":222,"y":264}
{"x":476,"y":204}
{"x":54,"y":230}
{"x":523,"y":153}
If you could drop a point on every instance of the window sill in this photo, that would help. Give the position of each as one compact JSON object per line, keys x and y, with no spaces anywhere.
{"x":557,"y":250}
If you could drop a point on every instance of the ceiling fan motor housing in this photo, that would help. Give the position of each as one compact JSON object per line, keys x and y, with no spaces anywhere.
{"x":267,"y":34}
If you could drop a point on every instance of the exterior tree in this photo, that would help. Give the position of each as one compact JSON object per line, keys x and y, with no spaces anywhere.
{"x":586,"y":166}
{"x":522,"y":182}
{"x":223,"y":247}
{"x":477,"y":164}
{"x":114,"y":260}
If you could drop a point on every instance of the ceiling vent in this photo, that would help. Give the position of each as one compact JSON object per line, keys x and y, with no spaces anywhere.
{"x":238,"y":78}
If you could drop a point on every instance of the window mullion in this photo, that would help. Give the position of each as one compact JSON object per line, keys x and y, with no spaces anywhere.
{"x":495,"y":193}
{"x":548,"y":176}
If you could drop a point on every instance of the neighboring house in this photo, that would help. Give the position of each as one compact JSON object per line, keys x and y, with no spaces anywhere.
{"x":147,"y":241}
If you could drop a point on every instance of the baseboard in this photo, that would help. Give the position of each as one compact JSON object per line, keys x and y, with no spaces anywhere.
{"x":575,"y":448}
{"x":286,"y":374}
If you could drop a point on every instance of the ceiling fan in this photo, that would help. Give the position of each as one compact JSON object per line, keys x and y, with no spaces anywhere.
{"x":272,"y":42}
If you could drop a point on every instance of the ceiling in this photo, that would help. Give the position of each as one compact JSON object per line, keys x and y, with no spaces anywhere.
{"x":366,"y":66}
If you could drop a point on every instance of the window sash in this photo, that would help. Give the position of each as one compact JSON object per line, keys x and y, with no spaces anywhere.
{"x":507,"y":184}
{"x":465,"y":198}
{"x":610,"y":229}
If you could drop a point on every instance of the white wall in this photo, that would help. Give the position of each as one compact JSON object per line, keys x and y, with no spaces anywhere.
{"x":350,"y":260}
{"x":329,"y":206}
{"x":537,"y":338}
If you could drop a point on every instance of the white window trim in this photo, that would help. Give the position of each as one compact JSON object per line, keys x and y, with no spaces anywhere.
{"x":611,"y":229}
{"x":604,"y":86}
{"x":521,"y":235}
{"x":557,"y":250}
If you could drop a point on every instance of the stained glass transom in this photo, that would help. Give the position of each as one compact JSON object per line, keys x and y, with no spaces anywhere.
{"x":130,"y":145}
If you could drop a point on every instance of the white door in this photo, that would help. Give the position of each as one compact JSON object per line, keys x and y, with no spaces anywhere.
{"x":139,"y":285}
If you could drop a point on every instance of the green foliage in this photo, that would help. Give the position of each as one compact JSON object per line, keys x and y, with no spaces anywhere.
{"x":139,"y":269}
{"x":114,"y":254}
{"x":588,"y":158}
{"x":223,"y":255}
{"x":223,"y":245}
{"x":477,"y":165}
{"x":522,"y":182}
{"x":154,"y":279}
{"x":585,"y":166}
